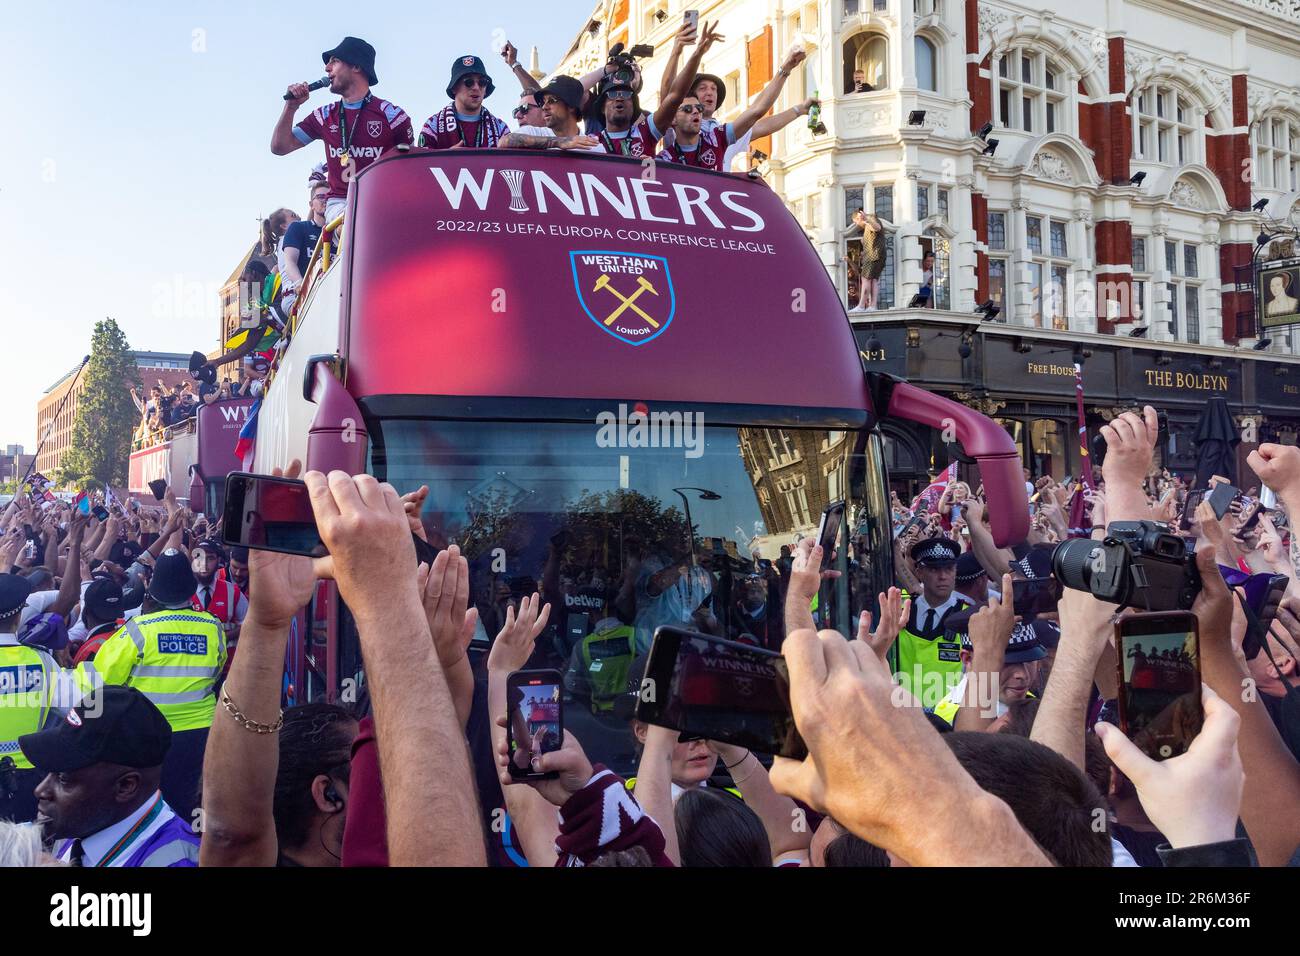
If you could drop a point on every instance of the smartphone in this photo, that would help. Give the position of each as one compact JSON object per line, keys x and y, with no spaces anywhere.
{"x":707,"y":687}
{"x":159,"y":488}
{"x":1221,"y":497}
{"x":1279,"y":519}
{"x":1031,"y":598}
{"x":1266,"y":608}
{"x":692,"y":19}
{"x":1189,"y":507}
{"x":100,"y":512}
{"x":534,"y":720}
{"x":270,"y":514}
{"x":1159,"y":681}
{"x":912,"y":522}
{"x":1250,"y":513}
{"x":829,"y":531}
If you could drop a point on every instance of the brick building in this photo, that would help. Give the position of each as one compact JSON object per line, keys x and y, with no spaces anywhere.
{"x":54,"y":426}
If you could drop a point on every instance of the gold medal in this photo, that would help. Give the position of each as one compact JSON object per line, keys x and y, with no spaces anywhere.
{"x":343,"y":158}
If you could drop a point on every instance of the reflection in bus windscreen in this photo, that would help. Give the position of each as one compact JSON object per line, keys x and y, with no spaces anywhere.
{"x":601,"y":532}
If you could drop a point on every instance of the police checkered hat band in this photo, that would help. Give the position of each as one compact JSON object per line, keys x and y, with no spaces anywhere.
{"x":935,"y":551}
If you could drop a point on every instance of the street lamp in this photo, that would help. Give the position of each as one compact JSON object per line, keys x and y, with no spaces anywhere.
{"x":705,"y":495}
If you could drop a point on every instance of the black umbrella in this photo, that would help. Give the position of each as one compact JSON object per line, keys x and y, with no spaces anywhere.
{"x":1216,"y":438}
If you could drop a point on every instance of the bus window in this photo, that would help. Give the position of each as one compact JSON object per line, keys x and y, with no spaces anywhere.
{"x":603,"y":534}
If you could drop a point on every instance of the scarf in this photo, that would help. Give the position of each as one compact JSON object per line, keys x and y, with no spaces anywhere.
{"x":444,"y":121}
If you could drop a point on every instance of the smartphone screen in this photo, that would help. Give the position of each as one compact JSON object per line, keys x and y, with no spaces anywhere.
{"x":1160,"y":682}
{"x":270,"y":514}
{"x":1190,"y":506}
{"x":705,"y":687}
{"x":1032,"y":598}
{"x":534,"y":720}
{"x":1221,"y":497}
{"x":100,"y":512}
{"x":829,"y":532}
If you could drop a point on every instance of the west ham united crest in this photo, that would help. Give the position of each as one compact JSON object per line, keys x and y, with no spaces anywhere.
{"x":626,"y":294}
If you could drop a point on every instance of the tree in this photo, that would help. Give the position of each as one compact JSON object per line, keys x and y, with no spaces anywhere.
{"x":106,"y":415}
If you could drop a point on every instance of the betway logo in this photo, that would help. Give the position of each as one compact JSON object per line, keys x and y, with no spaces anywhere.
{"x":361,"y":152}
{"x":586,"y":194}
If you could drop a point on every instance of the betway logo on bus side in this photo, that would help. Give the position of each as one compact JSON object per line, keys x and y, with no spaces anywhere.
{"x":586,"y":194}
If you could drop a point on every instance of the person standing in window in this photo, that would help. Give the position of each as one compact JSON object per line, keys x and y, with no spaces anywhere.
{"x":872,"y":260}
{"x":860,"y":84}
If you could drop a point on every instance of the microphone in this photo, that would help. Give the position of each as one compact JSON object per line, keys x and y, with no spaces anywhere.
{"x":314,"y":85}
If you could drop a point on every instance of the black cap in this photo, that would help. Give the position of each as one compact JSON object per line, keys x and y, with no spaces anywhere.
{"x":212,"y":547}
{"x":1037,"y":563}
{"x":716,"y":81}
{"x":1024,"y":645}
{"x":969,"y":568}
{"x":124,"y":553}
{"x":113,"y":724}
{"x":14,"y":590}
{"x":104,"y":599}
{"x":565,"y":89}
{"x":465,"y":65}
{"x":173,"y":583}
{"x":935,"y":552}
{"x":354,"y":52}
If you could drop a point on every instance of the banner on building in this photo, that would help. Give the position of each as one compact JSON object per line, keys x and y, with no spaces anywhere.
{"x":1277,"y":293}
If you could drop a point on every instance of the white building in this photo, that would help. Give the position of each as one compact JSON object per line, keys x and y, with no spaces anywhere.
{"x":1196,"y":99}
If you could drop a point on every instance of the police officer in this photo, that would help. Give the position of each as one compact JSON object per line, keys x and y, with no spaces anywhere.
{"x":1018,"y":678}
{"x":172,"y":654}
{"x":928,"y":664}
{"x":100,"y":794}
{"x":29,"y":682}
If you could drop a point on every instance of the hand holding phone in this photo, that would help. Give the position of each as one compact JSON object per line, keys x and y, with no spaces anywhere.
{"x":534,"y":721}
{"x":691,"y":21}
{"x":1159,"y":681}
{"x":829,"y":531}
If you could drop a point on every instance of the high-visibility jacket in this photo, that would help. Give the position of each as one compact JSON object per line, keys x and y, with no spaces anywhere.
{"x":173,"y":657}
{"x":224,"y":598}
{"x":928,"y":663}
{"x":27,"y":680}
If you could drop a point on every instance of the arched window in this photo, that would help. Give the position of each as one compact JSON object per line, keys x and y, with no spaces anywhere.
{"x":1165,"y":121}
{"x":866,"y":63}
{"x":1277,"y":153}
{"x":927,"y":76}
{"x":1031,"y":92}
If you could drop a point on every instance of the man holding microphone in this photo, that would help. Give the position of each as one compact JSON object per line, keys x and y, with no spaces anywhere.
{"x":356,"y":131}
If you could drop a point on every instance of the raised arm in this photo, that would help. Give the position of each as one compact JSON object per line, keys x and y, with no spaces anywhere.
{"x":240,"y":763}
{"x":990,"y":632}
{"x":1130,"y":440}
{"x":685,"y":37}
{"x":1086,"y":631}
{"x":667,"y":109}
{"x":70,"y":589}
{"x":444,"y":590}
{"x":510,"y":53}
{"x":282,"y":139}
{"x":768,"y":97}
{"x":429,"y":792}
{"x":994,"y":560}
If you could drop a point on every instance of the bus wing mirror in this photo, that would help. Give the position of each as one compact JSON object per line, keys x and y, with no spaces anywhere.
{"x":980,"y":437}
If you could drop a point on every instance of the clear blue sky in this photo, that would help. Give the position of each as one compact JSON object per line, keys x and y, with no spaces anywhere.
{"x":137,"y":164}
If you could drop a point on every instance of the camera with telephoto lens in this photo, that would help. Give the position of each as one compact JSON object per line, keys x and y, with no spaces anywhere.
{"x":1139,"y":564}
{"x":625,"y":61}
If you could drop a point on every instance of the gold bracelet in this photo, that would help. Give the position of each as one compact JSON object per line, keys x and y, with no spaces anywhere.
{"x":243,"y":721}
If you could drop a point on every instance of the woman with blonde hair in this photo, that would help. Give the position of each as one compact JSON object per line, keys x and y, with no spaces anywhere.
{"x":872,"y":258}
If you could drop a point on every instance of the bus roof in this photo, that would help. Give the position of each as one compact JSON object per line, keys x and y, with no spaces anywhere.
{"x":519,"y":273}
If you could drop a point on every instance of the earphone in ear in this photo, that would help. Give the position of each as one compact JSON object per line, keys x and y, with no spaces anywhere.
{"x":333,"y":797}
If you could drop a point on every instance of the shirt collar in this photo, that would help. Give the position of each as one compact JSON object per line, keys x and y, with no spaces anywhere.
{"x":9,"y":640}
{"x":922,"y":605}
{"x":96,"y":846}
{"x":355,"y":105}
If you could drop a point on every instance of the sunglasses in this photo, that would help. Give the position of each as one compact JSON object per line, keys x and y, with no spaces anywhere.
{"x":471,"y":82}
{"x":520,"y":111}
{"x":620,"y":94}
{"x":690,"y":108}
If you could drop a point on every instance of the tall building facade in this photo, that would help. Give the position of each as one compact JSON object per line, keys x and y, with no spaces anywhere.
{"x":1106,"y":174}
{"x":55,"y":417}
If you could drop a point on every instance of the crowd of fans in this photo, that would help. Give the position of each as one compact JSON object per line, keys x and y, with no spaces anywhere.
{"x":183,"y":752}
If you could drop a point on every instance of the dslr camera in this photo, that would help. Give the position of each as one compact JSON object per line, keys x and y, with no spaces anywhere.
{"x":624,"y":60}
{"x":1139,"y":564}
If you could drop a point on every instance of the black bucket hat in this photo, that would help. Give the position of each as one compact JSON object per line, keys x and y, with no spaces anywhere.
{"x":464,"y":66}
{"x":355,"y":52}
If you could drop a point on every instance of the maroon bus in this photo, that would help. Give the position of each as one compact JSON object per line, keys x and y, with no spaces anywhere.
{"x":602,"y":369}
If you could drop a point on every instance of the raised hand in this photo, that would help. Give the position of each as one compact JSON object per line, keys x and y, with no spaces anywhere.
{"x":284,"y":582}
{"x":894,"y":612}
{"x":444,"y":590}
{"x":514,"y":642}
{"x":570,"y":762}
